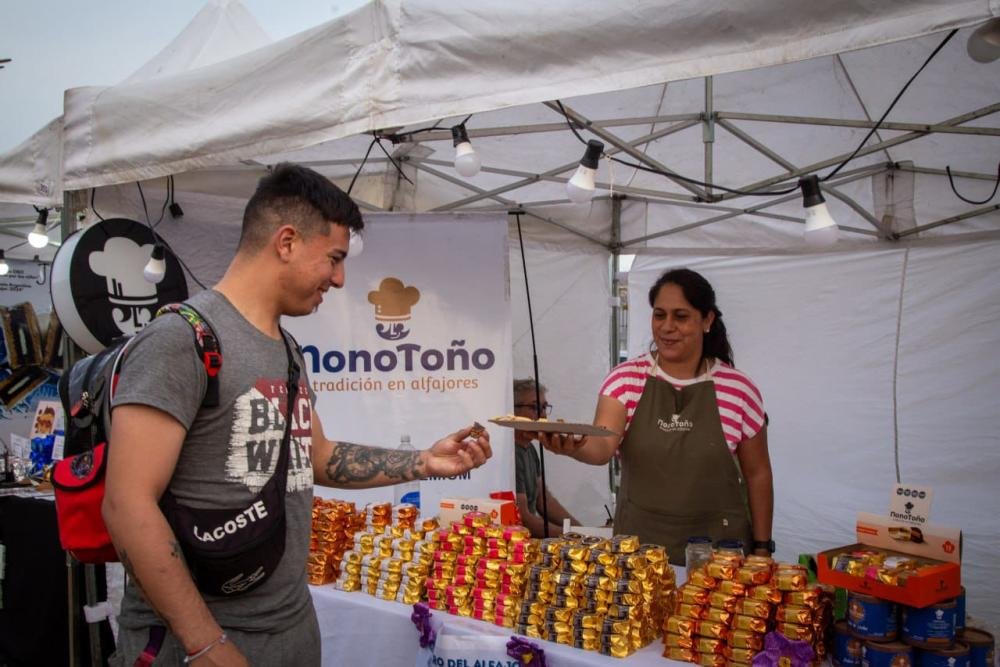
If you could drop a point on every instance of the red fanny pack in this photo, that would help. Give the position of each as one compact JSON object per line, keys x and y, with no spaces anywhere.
{"x":79,"y":488}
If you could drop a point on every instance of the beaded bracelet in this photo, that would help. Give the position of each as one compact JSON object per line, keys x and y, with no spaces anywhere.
{"x":191,"y":657}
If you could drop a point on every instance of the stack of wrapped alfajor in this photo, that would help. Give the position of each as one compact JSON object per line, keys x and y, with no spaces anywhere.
{"x":607,"y":595}
{"x":479,"y":569}
{"x":391,"y":558}
{"x":334,"y":523}
{"x":728,"y":605}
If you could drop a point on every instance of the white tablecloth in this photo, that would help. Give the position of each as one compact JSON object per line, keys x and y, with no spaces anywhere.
{"x":358,"y":629}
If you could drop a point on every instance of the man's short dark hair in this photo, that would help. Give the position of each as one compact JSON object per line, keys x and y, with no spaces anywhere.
{"x":296,"y":195}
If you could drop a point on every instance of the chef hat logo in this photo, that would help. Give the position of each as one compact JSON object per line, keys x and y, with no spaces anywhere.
{"x":133,"y":297}
{"x":393,"y":300}
{"x":121,"y":263}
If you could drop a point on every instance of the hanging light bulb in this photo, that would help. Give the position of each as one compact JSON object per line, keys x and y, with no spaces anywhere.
{"x":581,"y":187}
{"x":821,"y":229}
{"x":156,"y":267}
{"x":466,"y":161}
{"x":38,"y":237}
{"x":984,"y":43}
{"x":4,"y":266}
{"x":355,"y":245}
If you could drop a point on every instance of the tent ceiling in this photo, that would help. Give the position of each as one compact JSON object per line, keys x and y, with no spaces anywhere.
{"x":769,"y":114}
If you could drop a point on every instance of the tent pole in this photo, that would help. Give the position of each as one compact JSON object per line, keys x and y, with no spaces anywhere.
{"x":73,"y":201}
{"x":616,"y":311}
{"x":534,"y":178}
{"x":764,"y":150}
{"x":873,"y":148}
{"x":563,"y":179}
{"x":708,"y":136}
{"x":955,"y":218}
{"x":941,"y":172}
{"x":946,"y":127}
{"x":445,"y":135}
{"x":859,"y":174}
{"x":503,"y":200}
{"x":627,"y":147}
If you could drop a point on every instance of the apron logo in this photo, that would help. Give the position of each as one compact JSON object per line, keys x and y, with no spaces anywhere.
{"x":675,"y":425}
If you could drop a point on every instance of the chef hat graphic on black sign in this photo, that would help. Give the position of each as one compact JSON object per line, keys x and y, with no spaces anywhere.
{"x":98,"y":290}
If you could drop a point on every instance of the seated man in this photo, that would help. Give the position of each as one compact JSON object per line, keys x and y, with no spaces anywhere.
{"x":528,"y":467}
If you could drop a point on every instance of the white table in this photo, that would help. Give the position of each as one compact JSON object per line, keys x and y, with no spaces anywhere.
{"x":358,"y":629}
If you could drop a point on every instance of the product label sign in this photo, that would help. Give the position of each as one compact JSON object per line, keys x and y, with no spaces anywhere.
{"x":910,"y":504}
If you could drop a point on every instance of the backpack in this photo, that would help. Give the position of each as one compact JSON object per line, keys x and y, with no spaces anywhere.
{"x":86,"y":391}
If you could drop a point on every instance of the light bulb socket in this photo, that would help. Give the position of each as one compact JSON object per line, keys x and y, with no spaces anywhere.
{"x":811,"y":194}
{"x":593,"y":154}
{"x":459,"y":135}
{"x":176,"y":211}
{"x":158,"y":252}
{"x":43,"y":216}
{"x":2,"y":257}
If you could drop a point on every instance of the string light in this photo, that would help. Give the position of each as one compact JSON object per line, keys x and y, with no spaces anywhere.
{"x":38,"y":237}
{"x":581,"y":187}
{"x":821,"y":229}
{"x":984,"y":43}
{"x":156,"y":267}
{"x":466,"y":161}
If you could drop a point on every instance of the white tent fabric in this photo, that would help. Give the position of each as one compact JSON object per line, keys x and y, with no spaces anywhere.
{"x":869,"y":360}
{"x":395,"y":63}
{"x":31,"y":173}
{"x":403,"y":65}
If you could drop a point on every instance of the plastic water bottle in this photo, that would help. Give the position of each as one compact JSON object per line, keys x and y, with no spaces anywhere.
{"x":407,"y":492}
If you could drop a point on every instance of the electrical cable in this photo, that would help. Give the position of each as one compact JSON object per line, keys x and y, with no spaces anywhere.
{"x":163,"y":209}
{"x":973,"y":201}
{"x":878,"y":124}
{"x":538,"y":389}
{"x":162,"y":241}
{"x":769,"y":193}
{"x":398,"y":167}
{"x":362,"y":165}
{"x":93,"y":194}
{"x":185,"y":266}
{"x":673,"y":175}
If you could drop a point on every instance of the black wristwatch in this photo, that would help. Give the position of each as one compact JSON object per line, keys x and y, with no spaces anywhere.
{"x":763,"y":544}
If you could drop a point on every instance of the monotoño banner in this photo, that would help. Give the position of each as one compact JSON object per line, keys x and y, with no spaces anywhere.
{"x":417,"y":343}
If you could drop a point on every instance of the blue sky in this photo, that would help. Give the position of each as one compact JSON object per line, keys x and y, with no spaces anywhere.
{"x":60,"y":44}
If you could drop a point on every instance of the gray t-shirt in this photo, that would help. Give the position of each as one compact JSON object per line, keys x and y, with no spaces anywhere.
{"x":230,"y":451}
{"x":527,"y":468}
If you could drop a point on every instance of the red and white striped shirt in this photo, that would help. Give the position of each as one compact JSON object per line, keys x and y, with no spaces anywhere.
{"x":741,"y":408}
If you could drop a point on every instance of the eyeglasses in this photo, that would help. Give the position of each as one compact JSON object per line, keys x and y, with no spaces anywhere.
{"x":546,"y":407}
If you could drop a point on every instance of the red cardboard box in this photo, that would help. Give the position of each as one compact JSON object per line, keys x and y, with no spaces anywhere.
{"x":502,"y":512}
{"x":936,"y":583}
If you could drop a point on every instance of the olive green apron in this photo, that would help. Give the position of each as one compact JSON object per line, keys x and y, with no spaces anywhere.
{"x":679,"y":478}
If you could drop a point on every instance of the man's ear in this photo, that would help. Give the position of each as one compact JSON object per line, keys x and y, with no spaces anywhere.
{"x":285,"y":239}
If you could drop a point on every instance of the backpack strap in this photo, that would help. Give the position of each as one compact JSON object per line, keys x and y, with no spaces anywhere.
{"x":209,"y":348}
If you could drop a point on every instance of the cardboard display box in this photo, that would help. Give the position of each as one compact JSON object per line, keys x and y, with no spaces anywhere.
{"x":936,"y":583}
{"x":502,"y":512}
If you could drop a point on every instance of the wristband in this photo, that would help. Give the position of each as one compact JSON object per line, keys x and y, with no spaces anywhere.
{"x":191,"y":657}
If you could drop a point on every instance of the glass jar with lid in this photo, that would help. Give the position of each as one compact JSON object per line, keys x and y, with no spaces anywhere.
{"x":729,"y":547}
{"x":697,"y":552}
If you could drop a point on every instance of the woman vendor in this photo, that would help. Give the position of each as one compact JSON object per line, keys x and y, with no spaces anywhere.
{"x":694,"y":451}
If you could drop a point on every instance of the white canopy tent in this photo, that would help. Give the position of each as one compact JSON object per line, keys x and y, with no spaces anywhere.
{"x":738,"y":97}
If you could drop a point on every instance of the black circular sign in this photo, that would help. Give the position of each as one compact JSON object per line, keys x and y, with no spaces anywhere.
{"x":98,"y":289}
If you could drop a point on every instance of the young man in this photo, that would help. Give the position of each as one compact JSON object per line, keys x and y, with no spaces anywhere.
{"x":295,"y":237}
{"x":528,"y":480}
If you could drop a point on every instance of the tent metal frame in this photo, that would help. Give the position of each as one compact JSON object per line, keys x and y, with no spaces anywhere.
{"x":733,"y":123}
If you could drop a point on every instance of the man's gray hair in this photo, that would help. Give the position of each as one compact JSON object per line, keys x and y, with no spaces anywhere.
{"x":524,"y":385}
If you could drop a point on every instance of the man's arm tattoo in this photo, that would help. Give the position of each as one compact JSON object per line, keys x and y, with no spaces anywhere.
{"x":351,"y":463}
